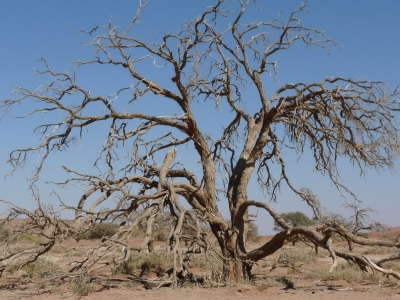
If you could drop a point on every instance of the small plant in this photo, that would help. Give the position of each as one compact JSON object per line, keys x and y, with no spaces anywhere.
{"x":262,"y":286}
{"x":295,"y":259}
{"x":82,"y":287}
{"x":42,"y":285}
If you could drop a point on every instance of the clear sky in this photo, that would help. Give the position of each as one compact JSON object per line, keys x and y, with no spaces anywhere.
{"x":369,"y":32}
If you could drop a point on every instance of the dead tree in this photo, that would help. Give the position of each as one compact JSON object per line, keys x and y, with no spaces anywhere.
{"x":358,"y":222}
{"x":334,"y":118}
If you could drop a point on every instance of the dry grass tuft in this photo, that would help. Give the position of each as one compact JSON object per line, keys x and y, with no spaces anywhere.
{"x":40,"y":269}
{"x":33,"y":238}
{"x":349,"y":272}
{"x":376,"y":250}
{"x":144,"y":264}
{"x":81,"y":287}
{"x":295,"y":259}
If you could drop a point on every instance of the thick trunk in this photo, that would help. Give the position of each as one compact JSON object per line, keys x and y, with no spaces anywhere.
{"x":234,"y":267}
{"x":238,"y":271}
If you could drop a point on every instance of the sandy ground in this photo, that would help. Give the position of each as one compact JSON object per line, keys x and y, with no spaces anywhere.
{"x":127,"y":287}
{"x":239,"y":291}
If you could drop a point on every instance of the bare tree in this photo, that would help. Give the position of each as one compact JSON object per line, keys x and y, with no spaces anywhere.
{"x":335,"y":118}
{"x":358,"y":222}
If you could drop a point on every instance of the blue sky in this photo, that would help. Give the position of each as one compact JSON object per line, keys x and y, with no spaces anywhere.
{"x":369,"y":32}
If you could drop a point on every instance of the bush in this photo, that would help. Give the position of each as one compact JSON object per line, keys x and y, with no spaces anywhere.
{"x":145,"y":263}
{"x":82,"y":287}
{"x":42,"y":268}
{"x":295,"y":259}
{"x":199,"y":261}
{"x":100,"y":230}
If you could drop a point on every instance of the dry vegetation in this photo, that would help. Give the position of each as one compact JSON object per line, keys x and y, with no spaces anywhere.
{"x":130,"y":220}
{"x":292,"y":267}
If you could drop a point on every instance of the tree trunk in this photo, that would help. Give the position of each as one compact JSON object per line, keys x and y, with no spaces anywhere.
{"x":234,"y":268}
{"x":237,"y":271}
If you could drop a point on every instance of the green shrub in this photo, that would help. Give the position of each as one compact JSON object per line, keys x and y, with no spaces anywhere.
{"x":100,"y":230}
{"x":295,"y":218}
